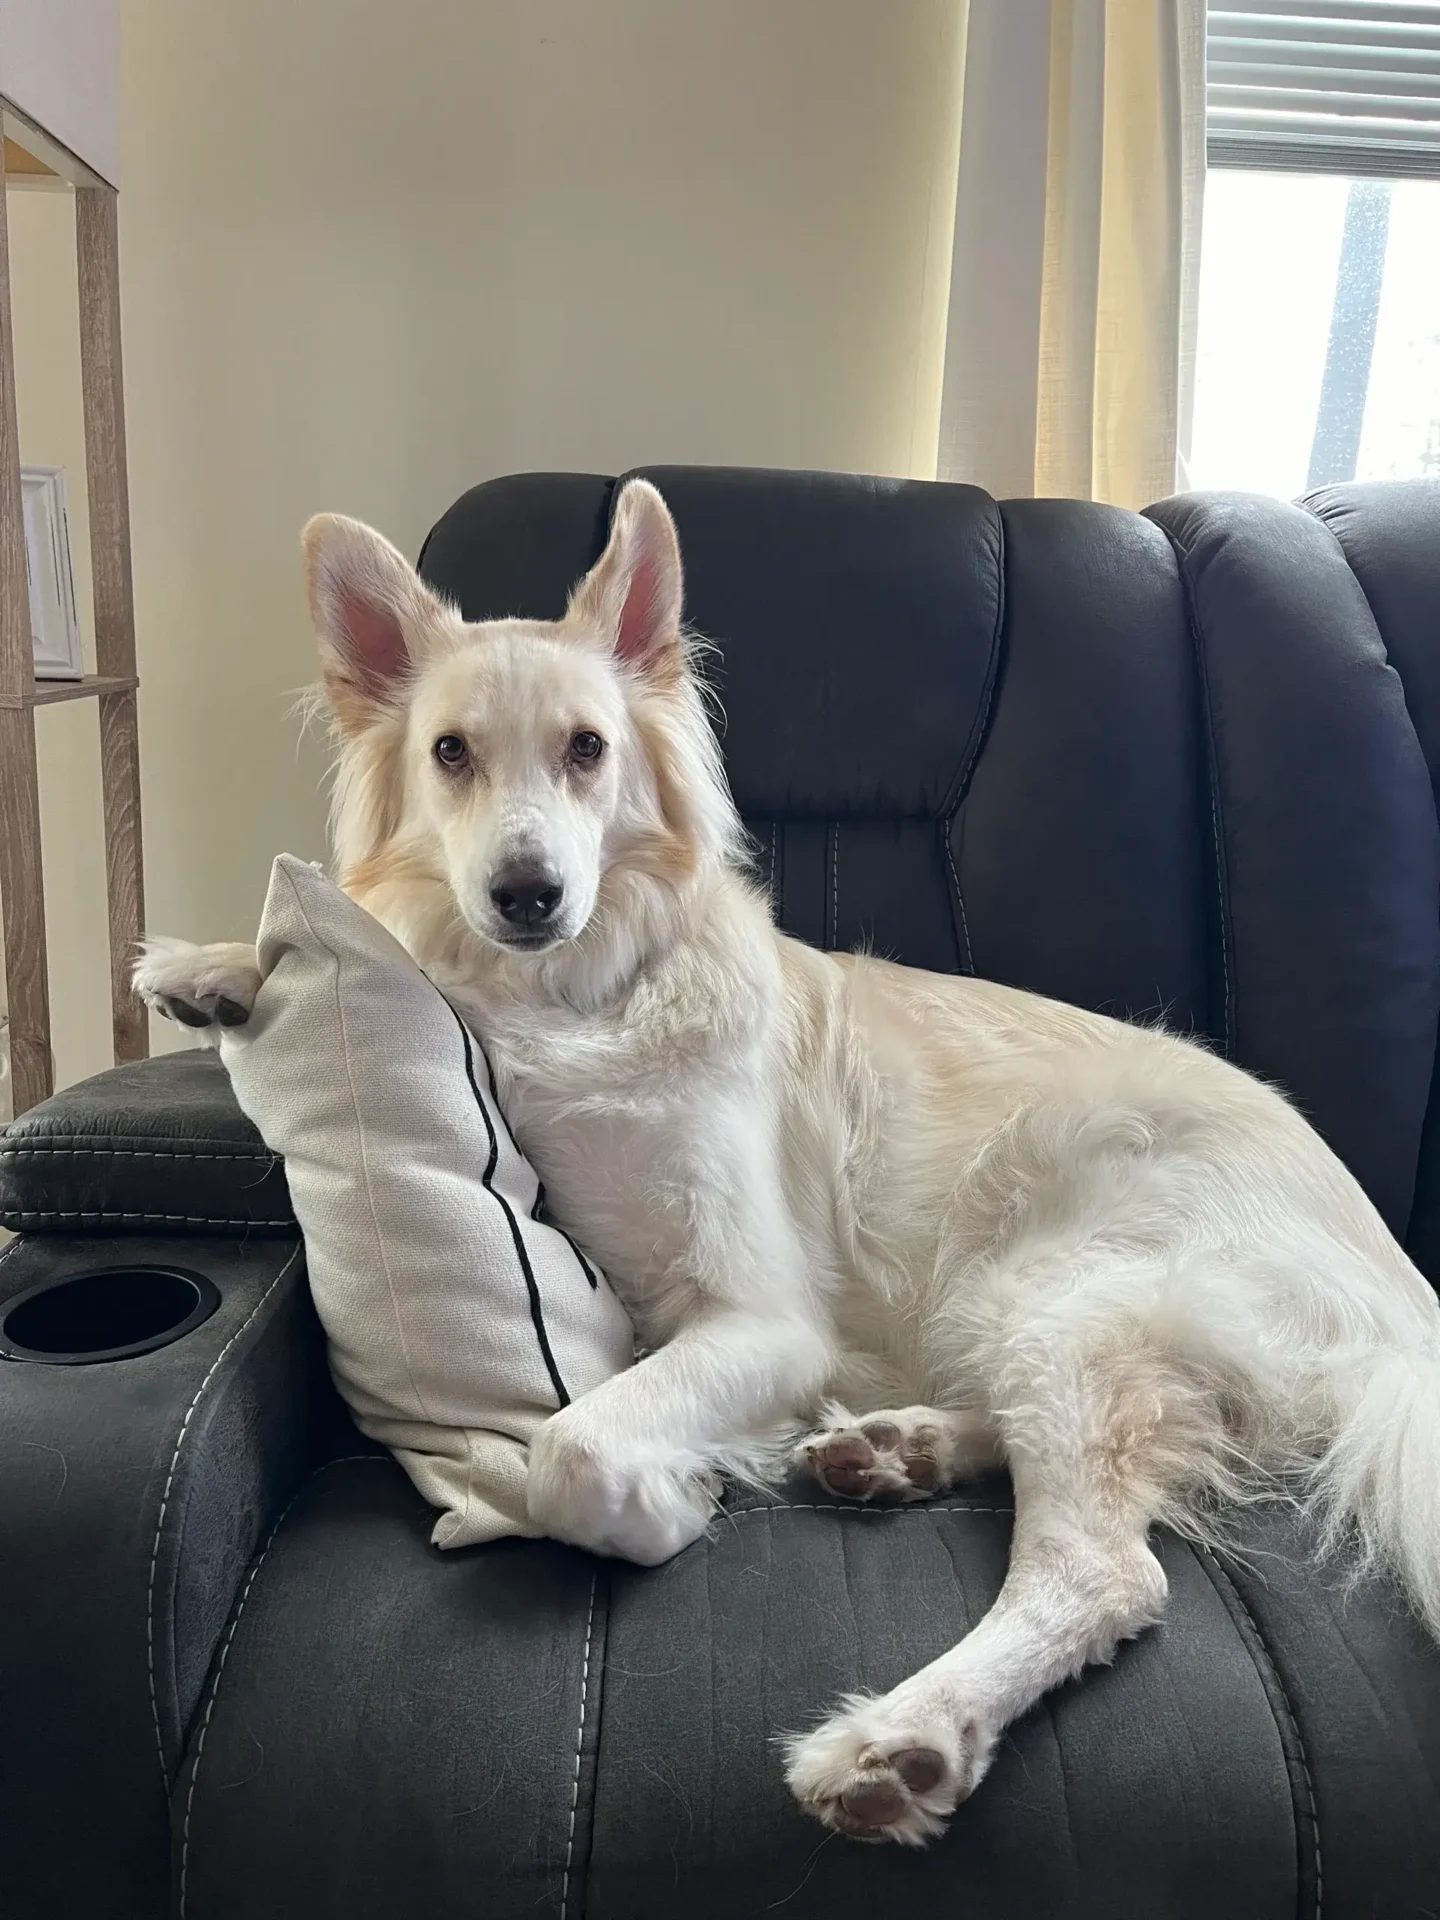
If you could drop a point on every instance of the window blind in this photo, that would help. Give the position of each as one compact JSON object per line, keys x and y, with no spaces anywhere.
{"x":1325,"y":86}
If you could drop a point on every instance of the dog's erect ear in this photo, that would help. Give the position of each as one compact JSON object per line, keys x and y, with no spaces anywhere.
{"x":370,"y":610}
{"x":632,"y":595}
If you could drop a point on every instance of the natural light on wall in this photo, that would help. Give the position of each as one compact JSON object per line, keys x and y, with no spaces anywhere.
{"x":1319,"y":346}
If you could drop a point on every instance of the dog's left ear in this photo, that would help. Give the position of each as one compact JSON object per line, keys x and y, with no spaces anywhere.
{"x":632,"y":596}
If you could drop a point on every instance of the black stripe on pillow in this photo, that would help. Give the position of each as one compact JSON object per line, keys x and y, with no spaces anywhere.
{"x":522,"y":1252}
{"x":591,"y":1273}
{"x":586,"y":1268}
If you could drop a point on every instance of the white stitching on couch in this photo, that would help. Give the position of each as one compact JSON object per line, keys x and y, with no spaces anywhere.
{"x":579,"y":1744}
{"x":56,"y":1150}
{"x":165,"y":1219}
{"x":835,"y":885}
{"x":324,"y":1467}
{"x":959,"y":897}
{"x":165,"y":1503}
{"x":839,"y":1506}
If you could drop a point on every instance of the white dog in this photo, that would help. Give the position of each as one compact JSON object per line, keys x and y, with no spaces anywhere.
{"x":1003,"y":1230}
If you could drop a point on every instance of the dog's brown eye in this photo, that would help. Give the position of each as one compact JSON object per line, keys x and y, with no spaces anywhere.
{"x":587,"y":746}
{"x":451,"y":750}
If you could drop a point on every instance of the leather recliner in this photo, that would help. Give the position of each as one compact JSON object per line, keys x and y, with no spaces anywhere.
{"x":1179,"y":765}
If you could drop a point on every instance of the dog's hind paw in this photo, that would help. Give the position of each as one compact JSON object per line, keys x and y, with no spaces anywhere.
{"x":908,"y":1454}
{"x":876,"y":1774}
{"x":201,"y":987}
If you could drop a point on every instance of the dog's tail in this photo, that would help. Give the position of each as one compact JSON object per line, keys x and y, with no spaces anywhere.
{"x":1377,"y":1484}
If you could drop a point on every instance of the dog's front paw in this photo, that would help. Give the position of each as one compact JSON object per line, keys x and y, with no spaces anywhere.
{"x":877,"y":1772}
{"x":200,"y":987}
{"x":645,"y":1510}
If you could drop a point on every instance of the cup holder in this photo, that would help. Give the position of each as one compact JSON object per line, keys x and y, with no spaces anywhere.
{"x":110,"y":1313}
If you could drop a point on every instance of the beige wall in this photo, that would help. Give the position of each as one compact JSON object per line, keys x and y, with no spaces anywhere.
{"x":374,"y":253}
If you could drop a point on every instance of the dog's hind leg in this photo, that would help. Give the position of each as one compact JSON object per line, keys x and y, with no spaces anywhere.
{"x":1085,"y":1458}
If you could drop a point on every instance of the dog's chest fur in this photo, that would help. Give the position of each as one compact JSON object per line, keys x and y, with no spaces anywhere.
{"x":640,"y":1120}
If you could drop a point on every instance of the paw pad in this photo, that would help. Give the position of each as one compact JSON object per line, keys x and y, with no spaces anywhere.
{"x":876,"y":1459}
{"x":869,"y":1790}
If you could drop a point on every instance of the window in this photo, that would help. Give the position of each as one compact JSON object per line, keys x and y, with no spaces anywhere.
{"x":1319,"y":343}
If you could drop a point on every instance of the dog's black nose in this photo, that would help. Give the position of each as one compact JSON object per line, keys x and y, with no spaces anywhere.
{"x":525,"y":896}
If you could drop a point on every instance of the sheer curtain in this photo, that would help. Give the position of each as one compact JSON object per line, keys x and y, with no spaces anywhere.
{"x":1070,"y":345}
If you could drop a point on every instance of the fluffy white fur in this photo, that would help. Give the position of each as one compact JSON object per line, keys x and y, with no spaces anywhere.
{"x":999,"y":1228}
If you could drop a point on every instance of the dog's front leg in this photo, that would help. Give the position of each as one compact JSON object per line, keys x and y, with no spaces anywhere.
{"x":629,"y":1470}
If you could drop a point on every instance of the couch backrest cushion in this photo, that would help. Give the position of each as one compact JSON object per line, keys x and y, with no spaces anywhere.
{"x":1389,"y":533}
{"x":1325,"y":846}
{"x":1156,"y":766}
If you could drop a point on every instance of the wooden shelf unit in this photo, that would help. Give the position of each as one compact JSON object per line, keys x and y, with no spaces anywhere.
{"x":49,"y":693}
{"x":114,"y":684}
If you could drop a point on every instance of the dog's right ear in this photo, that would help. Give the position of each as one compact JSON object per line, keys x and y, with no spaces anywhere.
{"x":371,"y":612}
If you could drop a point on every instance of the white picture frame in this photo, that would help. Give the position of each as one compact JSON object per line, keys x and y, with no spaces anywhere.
{"x":54,"y":616}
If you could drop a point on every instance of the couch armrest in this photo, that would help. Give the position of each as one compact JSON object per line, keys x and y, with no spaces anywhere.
{"x":133,"y":1494}
{"x":158,"y":1147}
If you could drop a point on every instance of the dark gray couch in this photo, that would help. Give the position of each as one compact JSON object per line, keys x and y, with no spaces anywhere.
{"x":1178,"y":764}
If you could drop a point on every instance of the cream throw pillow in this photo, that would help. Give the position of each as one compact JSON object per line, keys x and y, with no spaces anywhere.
{"x":458,"y":1320}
